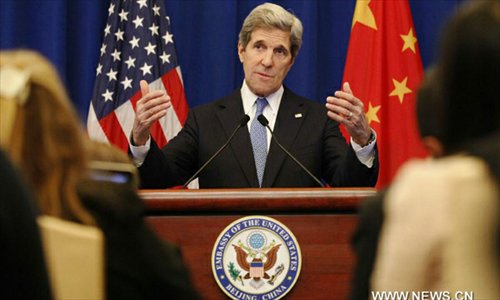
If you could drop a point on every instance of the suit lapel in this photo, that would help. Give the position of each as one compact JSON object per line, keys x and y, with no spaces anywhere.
{"x":229,"y":113}
{"x":286,"y":129}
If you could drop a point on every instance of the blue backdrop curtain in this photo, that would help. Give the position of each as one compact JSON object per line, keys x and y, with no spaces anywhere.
{"x":70,"y":33}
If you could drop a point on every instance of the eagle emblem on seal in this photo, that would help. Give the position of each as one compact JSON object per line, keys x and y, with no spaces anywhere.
{"x":256,"y":257}
{"x":257,"y":267}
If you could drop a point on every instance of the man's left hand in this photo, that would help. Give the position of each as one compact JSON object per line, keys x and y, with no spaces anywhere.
{"x":346,"y":109}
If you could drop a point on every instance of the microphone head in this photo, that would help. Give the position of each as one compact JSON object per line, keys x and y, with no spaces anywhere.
{"x":263,"y":120}
{"x":244,"y":120}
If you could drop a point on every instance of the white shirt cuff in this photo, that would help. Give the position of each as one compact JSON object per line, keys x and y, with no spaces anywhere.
{"x":139,"y":152}
{"x":366,"y":154}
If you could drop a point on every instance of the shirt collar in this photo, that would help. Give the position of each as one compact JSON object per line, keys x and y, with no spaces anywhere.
{"x":248,"y":98}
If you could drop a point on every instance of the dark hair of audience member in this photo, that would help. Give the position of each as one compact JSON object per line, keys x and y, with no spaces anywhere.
{"x":470,"y":74}
{"x":470,"y":71}
{"x":429,"y":112}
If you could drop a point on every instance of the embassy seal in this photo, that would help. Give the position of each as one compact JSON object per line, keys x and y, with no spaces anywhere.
{"x":256,"y":258}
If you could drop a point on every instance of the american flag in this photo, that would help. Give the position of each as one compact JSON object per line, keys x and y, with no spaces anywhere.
{"x":137,"y":44}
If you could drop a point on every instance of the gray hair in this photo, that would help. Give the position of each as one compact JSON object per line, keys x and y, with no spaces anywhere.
{"x":269,"y":16}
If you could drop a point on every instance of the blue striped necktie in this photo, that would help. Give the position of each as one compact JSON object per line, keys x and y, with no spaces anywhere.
{"x":258,"y":136}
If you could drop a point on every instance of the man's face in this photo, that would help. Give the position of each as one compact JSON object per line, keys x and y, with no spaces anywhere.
{"x":266,"y":60}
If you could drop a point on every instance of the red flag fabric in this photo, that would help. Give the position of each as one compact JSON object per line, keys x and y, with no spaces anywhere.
{"x":384,"y":70}
{"x":137,"y":44}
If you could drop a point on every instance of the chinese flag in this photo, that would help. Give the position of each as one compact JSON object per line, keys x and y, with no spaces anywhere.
{"x":384,"y":69}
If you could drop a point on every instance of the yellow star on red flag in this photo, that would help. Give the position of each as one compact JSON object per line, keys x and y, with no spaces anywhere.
{"x":371,"y":114}
{"x":364,"y":15}
{"x":409,"y":41}
{"x":400,"y":89}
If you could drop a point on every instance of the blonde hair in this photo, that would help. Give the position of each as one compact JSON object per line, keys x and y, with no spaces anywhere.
{"x":269,"y":16}
{"x":46,"y":141}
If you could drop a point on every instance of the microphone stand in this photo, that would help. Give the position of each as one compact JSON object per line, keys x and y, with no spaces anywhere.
{"x":242,"y":123}
{"x":263,"y":120}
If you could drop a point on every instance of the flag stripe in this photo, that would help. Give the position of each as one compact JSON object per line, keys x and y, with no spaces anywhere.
{"x":125,"y":115}
{"x":173,"y":85}
{"x":94,"y":128}
{"x":116,"y":137}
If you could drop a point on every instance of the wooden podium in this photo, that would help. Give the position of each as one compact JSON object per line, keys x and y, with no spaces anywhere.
{"x":322,"y":220}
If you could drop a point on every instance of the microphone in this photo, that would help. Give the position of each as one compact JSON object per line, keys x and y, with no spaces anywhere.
{"x":241,"y":123}
{"x":265,"y":123}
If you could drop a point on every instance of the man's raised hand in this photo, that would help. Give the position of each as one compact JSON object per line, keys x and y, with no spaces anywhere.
{"x":150,"y":108}
{"x":346,"y":109}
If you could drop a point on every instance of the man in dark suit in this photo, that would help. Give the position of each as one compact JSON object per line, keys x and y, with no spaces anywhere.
{"x":269,"y":41}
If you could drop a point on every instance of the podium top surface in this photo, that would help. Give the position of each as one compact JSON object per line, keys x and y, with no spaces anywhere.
{"x":255,"y":200}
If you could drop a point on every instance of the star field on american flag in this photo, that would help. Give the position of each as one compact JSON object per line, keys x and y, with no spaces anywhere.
{"x":137,"y":44}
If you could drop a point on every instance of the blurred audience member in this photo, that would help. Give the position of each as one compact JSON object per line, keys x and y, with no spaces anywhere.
{"x":46,"y":140}
{"x":140,"y":266}
{"x":47,"y":144}
{"x":442,"y":216}
{"x":23,"y":273}
{"x":429,"y":112}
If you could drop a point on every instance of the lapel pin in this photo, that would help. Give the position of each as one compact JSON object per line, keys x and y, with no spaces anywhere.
{"x":298,"y":115}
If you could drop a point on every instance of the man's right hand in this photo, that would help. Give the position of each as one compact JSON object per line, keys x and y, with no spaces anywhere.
{"x":150,"y":108}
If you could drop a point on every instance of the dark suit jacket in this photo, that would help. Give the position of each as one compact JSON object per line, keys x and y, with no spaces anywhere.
{"x":302,"y":127}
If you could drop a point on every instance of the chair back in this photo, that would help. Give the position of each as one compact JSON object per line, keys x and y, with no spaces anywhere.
{"x":75,"y":258}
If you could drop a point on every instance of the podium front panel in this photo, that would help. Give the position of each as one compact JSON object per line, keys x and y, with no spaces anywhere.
{"x":322,"y":221}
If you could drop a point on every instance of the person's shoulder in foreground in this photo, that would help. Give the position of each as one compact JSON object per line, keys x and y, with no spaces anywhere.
{"x":23,"y":270}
